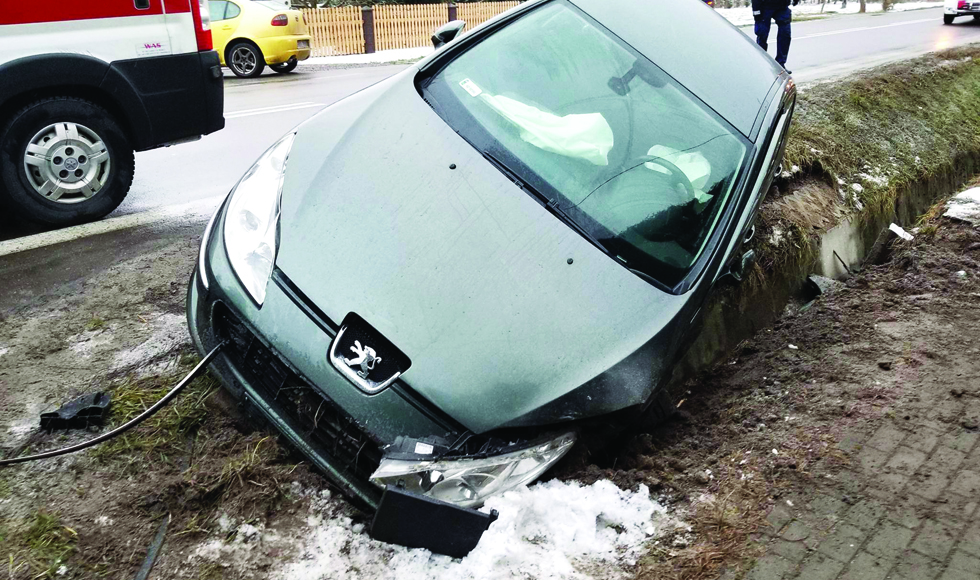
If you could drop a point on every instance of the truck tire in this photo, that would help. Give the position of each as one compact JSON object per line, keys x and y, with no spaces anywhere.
{"x":245,"y":60}
{"x":948,"y":18}
{"x":64,"y":161}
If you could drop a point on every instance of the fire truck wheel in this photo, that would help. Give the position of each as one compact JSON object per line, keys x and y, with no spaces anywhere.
{"x":64,"y":161}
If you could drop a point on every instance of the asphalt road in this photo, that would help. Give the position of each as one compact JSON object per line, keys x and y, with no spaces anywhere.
{"x":258,"y":111}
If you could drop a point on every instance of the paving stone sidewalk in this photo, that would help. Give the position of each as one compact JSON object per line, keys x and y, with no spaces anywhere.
{"x":904,"y":508}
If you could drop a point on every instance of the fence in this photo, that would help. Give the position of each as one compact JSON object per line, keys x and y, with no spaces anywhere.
{"x":354,"y":30}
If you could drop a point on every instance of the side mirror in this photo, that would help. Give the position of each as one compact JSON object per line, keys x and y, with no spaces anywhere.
{"x":739,"y":270}
{"x":447,"y":32}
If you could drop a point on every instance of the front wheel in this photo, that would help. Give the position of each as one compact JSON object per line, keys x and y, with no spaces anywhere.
{"x":245,"y":60}
{"x":64,"y":161}
{"x":948,"y":18}
{"x":285,"y":67}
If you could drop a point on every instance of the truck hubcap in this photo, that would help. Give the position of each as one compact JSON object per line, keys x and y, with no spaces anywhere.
{"x":67,"y":163}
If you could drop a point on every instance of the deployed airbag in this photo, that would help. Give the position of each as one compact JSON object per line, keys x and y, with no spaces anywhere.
{"x":586,"y":136}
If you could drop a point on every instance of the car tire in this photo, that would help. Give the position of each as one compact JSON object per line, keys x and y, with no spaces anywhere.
{"x":245,"y":60}
{"x":64,"y":161}
{"x":948,"y":18}
{"x":284,"y":67}
{"x":976,"y":17}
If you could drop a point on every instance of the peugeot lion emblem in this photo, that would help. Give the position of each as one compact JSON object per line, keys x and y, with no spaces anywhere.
{"x":366,"y":358}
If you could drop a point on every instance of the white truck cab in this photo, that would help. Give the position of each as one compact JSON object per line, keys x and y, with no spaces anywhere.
{"x":83,"y":85}
{"x":954,"y":8}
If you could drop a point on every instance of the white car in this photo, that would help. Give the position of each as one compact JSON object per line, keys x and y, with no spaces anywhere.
{"x":954,"y":8}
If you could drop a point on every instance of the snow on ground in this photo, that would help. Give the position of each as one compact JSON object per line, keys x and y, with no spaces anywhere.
{"x":169,"y":331}
{"x":382,"y":56}
{"x":551,"y":530}
{"x":742,"y":15}
{"x":965,"y":206}
{"x":84,"y":344}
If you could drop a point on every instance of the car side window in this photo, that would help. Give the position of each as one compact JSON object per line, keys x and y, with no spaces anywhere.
{"x":233,"y":10}
{"x":217,"y":9}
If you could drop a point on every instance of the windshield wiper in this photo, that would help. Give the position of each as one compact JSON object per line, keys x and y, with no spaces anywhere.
{"x":549,"y":204}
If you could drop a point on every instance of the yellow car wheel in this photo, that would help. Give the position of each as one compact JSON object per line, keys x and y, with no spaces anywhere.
{"x":245,"y":60}
{"x":285,"y":67}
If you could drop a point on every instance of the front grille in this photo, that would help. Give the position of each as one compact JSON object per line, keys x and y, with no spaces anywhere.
{"x":326,"y":428}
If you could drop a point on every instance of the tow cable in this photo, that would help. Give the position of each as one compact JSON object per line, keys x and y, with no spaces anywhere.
{"x":129,"y":425}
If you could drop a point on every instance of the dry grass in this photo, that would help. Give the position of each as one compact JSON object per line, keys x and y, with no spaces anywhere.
{"x":889,"y":128}
{"x":165,"y":433}
{"x":38,"y":548}
{"x":722,"y":522}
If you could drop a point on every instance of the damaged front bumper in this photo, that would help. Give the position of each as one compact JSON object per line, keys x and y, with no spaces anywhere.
{"x":467,"y":481}
{"x":348,"y":435}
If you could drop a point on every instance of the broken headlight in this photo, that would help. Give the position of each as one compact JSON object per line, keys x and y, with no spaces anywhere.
{"x":467,"y":482}
{"x":253,"y":217}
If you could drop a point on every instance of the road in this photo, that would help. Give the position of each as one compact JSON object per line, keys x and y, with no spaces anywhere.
{"x":258,"y":111}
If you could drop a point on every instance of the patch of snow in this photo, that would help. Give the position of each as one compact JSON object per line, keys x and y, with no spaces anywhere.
{"x":169,"y":331}
{"x":84,"y":343}
{"x":875,"y":176}
{"x":225,"y":524}
{"x":857,"y":187}
{"x":777,"y":236}
{"x":62,"y":570}
{"x":965,"y":206}
{"x":857,"y":200}
{"x":4,"y":350}
{"x":794,"y":347}
{"x":242,"y":550}
{"x":742,"y":15}
{"x":376,"y":57}
{"x":104,"y":521}
{"x":551,"y":530}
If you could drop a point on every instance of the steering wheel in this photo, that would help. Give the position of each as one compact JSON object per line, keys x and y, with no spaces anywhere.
{"x":669,"y":221}
{"x":677,"y":176}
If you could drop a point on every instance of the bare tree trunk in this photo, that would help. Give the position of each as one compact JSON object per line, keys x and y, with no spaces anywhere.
{"x":885,"y":5}
{"x":864,"y":7}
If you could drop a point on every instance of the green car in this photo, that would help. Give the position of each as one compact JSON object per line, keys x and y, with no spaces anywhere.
{"x":439,"y":282}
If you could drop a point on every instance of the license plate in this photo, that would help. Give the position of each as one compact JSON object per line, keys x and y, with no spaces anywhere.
{"x":302,"y":43}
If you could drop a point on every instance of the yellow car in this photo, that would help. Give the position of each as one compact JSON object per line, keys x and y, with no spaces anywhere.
{"x":249,"y":34}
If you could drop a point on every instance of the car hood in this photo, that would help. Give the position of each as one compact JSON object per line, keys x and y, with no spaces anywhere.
{"x":500,"y":307}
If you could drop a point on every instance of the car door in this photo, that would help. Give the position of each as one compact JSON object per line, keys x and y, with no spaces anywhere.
{"x":225,"y":17}
{"x":745,"y":230}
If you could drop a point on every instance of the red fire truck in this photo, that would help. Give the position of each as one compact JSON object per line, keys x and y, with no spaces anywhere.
{"x":85,"y":84}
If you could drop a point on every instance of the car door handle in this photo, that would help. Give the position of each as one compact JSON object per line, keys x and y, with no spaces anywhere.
{"x":226,"y":28}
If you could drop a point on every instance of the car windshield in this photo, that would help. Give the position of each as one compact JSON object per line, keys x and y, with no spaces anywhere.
{"x":634,"y":160}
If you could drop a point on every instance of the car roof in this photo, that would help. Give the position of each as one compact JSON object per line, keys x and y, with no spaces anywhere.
{"x":698,"y":48}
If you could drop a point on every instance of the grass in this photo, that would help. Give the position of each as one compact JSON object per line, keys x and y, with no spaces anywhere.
{"x":890,"y":128}
{"x":95,"y":323}
{"x":39,"y":549}
{"x":165,"y":433}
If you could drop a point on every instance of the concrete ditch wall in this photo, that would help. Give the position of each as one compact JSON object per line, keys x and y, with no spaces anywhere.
{"x":834,"y":234}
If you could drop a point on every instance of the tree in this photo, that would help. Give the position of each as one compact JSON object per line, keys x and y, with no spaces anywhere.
{"x":864,"y":7}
